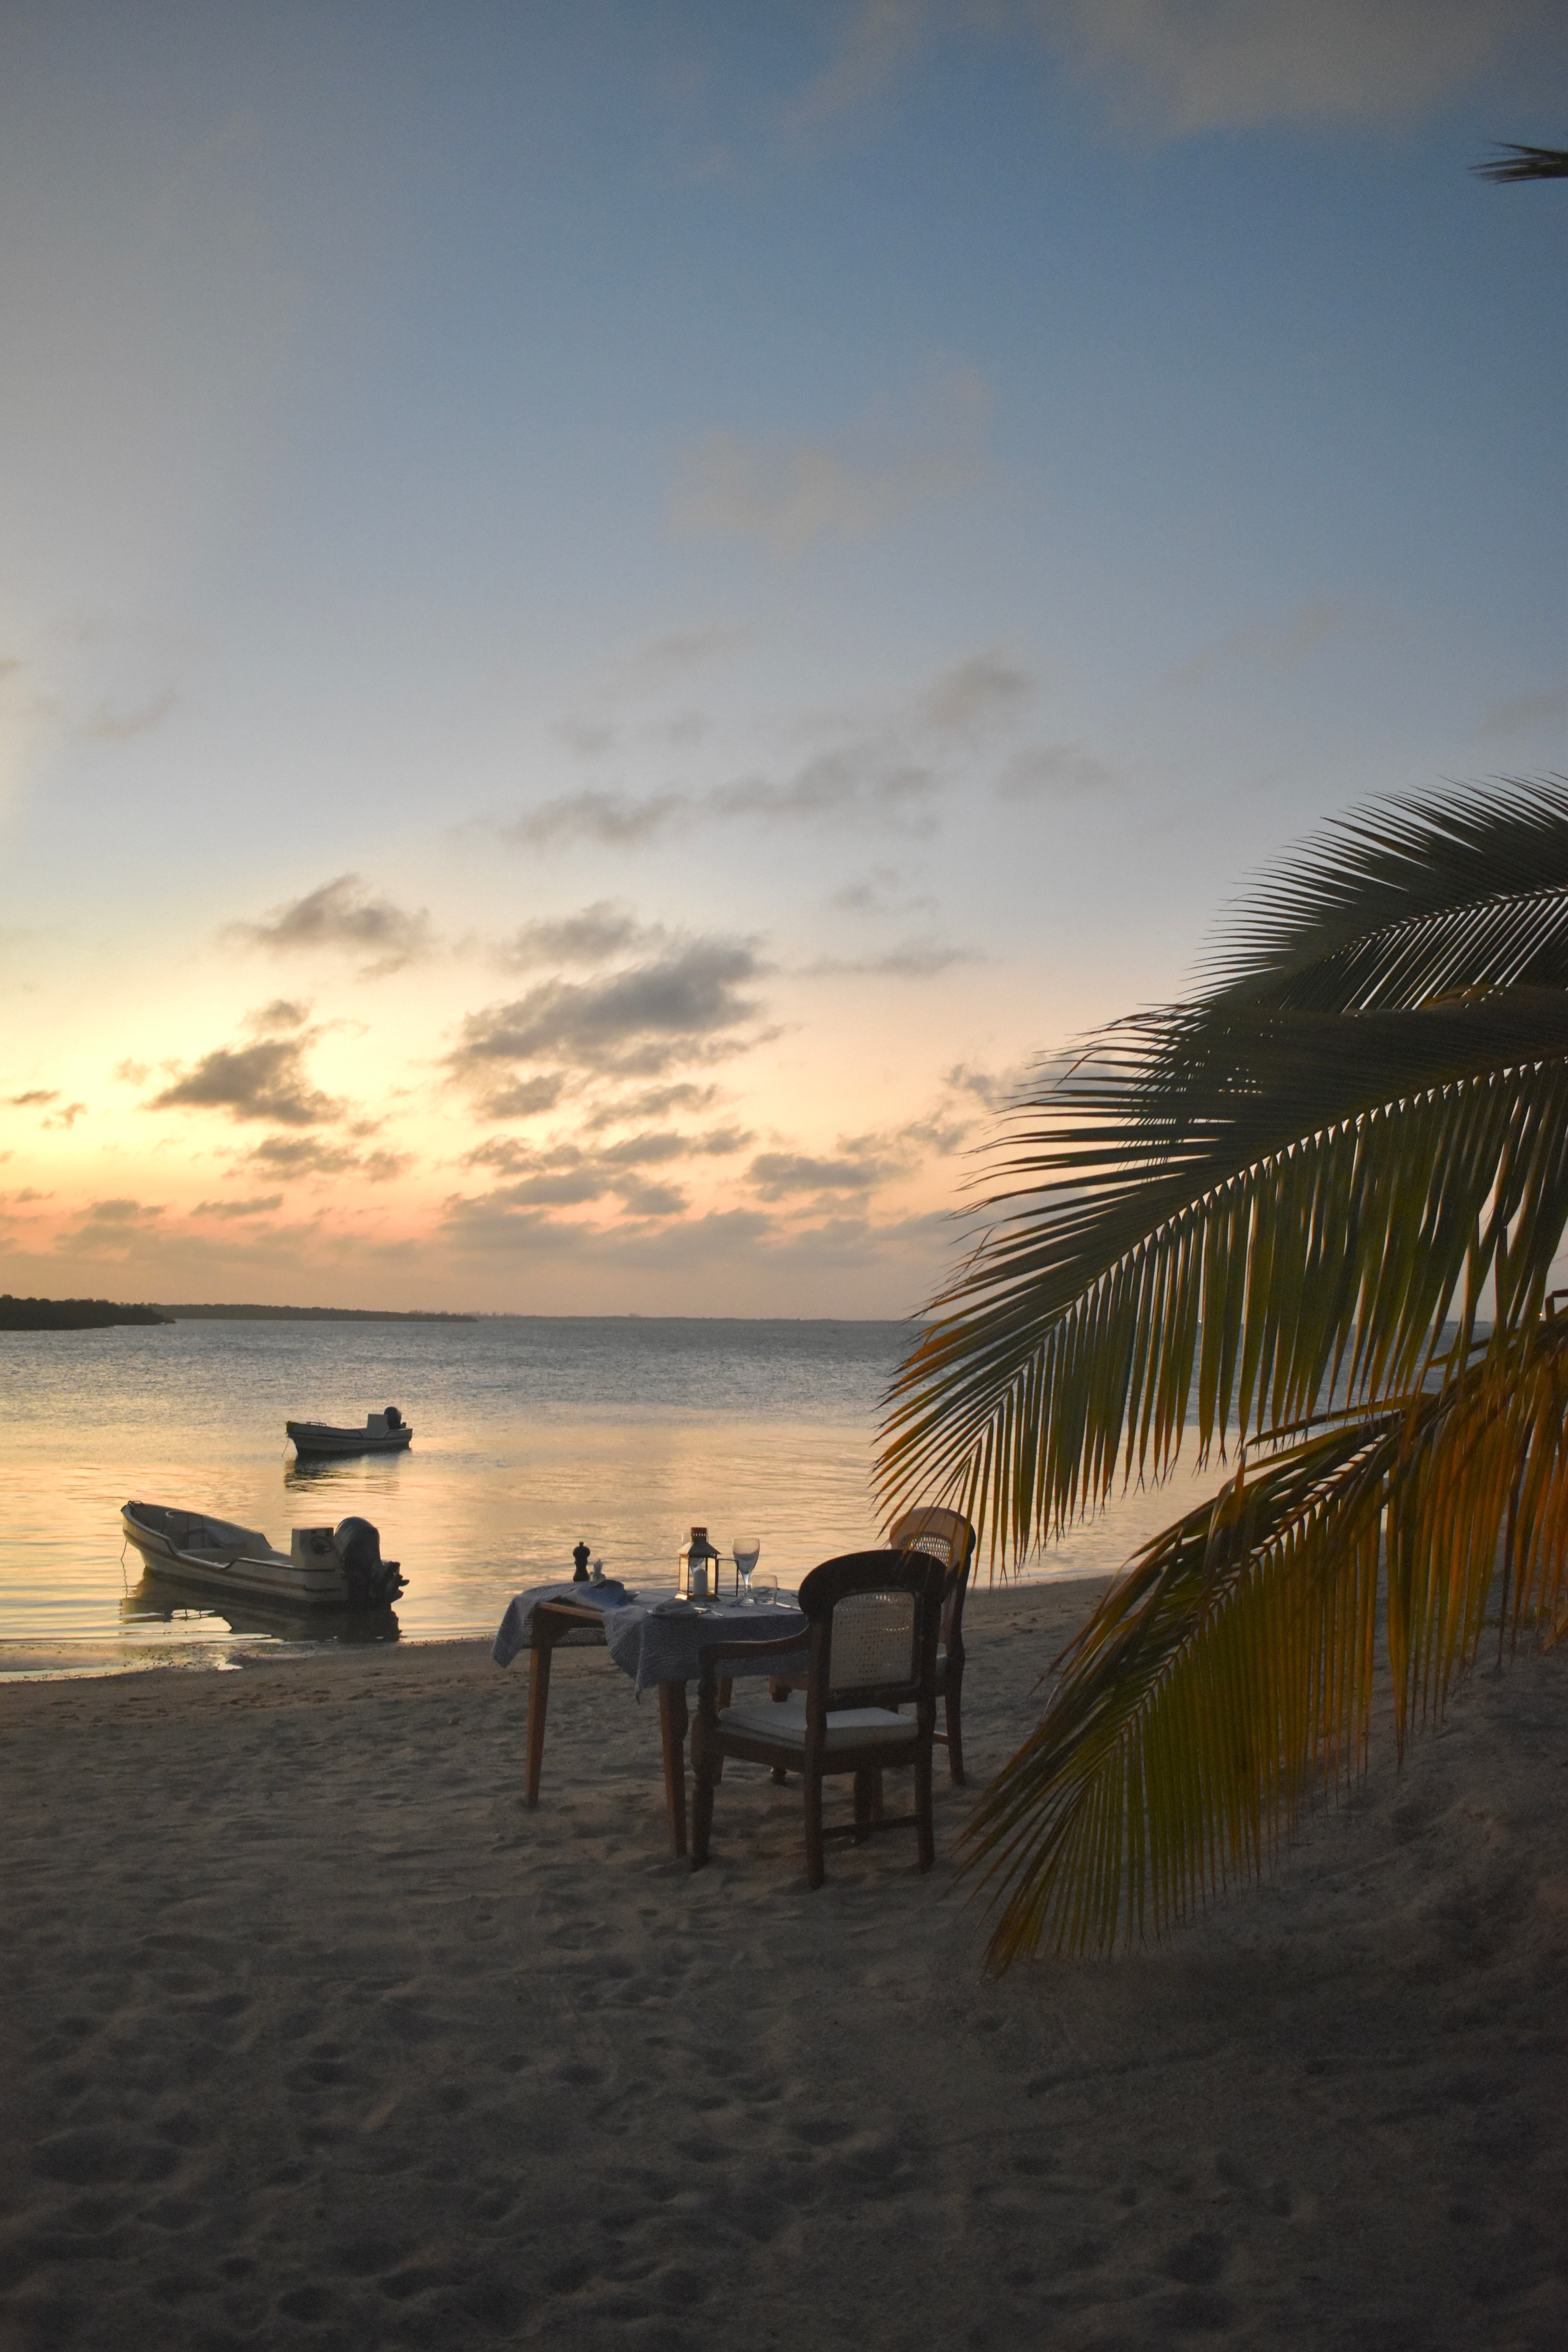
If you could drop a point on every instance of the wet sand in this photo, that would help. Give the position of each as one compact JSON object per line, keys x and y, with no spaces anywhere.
{"x":315,"y":2037}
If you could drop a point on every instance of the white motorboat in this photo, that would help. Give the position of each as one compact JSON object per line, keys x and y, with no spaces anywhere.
{"x":383,"y":1433}
{"x":324,"y":1568}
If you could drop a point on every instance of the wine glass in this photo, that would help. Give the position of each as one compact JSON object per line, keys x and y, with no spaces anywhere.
{"x":745,"y":1549}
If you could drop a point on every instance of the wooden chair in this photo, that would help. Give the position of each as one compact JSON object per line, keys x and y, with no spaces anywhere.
{"x":872,"y":1623}
{"x":947,"y":1536}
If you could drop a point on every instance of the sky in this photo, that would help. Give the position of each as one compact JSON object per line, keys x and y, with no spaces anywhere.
{"x":615,"y":616}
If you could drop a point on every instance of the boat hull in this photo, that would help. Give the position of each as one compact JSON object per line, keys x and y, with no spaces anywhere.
{"x":214,"y":1556}
{"x":321,"y":1437}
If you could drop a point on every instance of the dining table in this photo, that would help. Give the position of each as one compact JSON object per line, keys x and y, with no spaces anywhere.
{"x":656,"y":1641}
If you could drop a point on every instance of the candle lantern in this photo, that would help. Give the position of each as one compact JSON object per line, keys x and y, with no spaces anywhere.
{"x":697,"y":1569}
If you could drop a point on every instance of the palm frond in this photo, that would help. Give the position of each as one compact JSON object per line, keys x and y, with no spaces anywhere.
{"x":1525,"y":164}
{"x":1407,"y":901}
{"x":1276,"y":1190}
{"x":1297,"y":1205}
{"x":1225,"y":1681}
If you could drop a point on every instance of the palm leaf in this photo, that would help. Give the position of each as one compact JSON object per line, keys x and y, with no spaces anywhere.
{"x":1227,"y":1680}
{"x":1525,"y":164}
{"x":1409,"y":901}
{"x":1232,"y":1205}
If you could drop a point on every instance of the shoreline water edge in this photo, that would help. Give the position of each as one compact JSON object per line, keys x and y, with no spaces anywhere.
{"x":531,"y":1434}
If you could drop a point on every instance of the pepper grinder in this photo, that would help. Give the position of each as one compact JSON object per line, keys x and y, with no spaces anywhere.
{"x":579,"y":1559}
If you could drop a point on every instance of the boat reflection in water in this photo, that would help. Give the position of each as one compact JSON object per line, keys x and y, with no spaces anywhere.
{"x":157,"y":1600}
{"x":302,"y":1472}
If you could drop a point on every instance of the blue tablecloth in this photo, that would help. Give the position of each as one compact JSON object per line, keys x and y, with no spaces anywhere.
{"x":518,"y":1623}
{"x":656,"y":1641}
{"x":660,"y":1644}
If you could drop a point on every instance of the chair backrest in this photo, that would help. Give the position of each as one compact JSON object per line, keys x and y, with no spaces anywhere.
{"x":873,"y":1621}
{"x":947,"y":1536}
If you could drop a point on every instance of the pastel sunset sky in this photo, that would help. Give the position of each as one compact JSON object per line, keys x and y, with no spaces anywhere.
{"x":613,"y":612}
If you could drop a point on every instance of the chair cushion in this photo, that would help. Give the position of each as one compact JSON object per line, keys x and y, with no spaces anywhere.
{"x":784,"y":1721}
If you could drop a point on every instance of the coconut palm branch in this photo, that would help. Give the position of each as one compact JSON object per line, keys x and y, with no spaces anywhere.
{"x":1234,"y":1204}
{"x":1525,"y":164}
{"x":1227,"y":1680}
{"x":1237,"y":1212}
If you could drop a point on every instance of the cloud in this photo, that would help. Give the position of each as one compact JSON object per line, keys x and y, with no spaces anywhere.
{"x":283,"y":1013}
{"x":776,"y":1174}
{"x":1000,"y":1091}
{"x":884,"y":769}
{"x":860,"y":776}
{"x":644,"y":1150}
{"x":488,"y":1226}
{"x":619,"y":820}
{"x":636,"y":1023}
{"x":301,"y":1155}
{"x":1523,"y":714}
{"x":654,"y":1201}
{"x":35,"y":1097}
{"x":524,"y":1099}
{"x":652,"y":1147}
{"x":266,"y":1080}
{"x":341,"y":916}
{"x":565,"y":1175}
{"x":1189,"y":66}
{"x":560,"y":1188}
{"x":653,"y":1102}
{"x":69,"y":1116}
{"x":107,"y":726}
{"x":684,"y":649}
{"x":788,"y":494}
{"x":123,"y":1212}
{"x":913,"y":960}
{"x":1279,"y":647}
{"x":881,"y":893}
{"x":878,"y":41}
{"x":593,"y":936}
{"x":973,"y":695}
{"x":1054,"y":771}
{"x":257,"y":1207}
{"x":870,"y":780}
{"x":1182,"y":66}
{"x":590,"y":737}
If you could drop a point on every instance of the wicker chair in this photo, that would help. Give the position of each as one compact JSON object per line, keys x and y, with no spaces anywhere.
{"x":873,"y":1618}
{"x":947,"y":1536}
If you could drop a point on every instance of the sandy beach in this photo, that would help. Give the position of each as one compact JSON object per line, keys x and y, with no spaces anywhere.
{"x":315,"y":2036}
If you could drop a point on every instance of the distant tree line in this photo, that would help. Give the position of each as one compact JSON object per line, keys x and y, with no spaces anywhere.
{"x":71,"y":1314}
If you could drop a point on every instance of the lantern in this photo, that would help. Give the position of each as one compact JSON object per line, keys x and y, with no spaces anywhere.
{"x":697,"y":1569}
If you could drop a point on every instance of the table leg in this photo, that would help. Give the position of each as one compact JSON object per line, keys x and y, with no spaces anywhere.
{"x":538,"y":1700}
{"x":672,"y":1722}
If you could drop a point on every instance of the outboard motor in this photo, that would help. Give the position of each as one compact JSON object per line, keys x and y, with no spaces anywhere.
{"x":372,"y":1581}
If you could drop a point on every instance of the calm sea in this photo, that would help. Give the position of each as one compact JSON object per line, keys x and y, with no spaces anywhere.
{"x":528,"y":1434}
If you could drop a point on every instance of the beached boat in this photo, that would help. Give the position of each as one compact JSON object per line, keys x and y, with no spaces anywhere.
{"x":383,"y":1433}
{"x":324,"y":1568}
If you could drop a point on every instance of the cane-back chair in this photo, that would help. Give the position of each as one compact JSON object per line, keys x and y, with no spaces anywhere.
{"x":873,"y":1618}
{"x":947,"y":1536}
